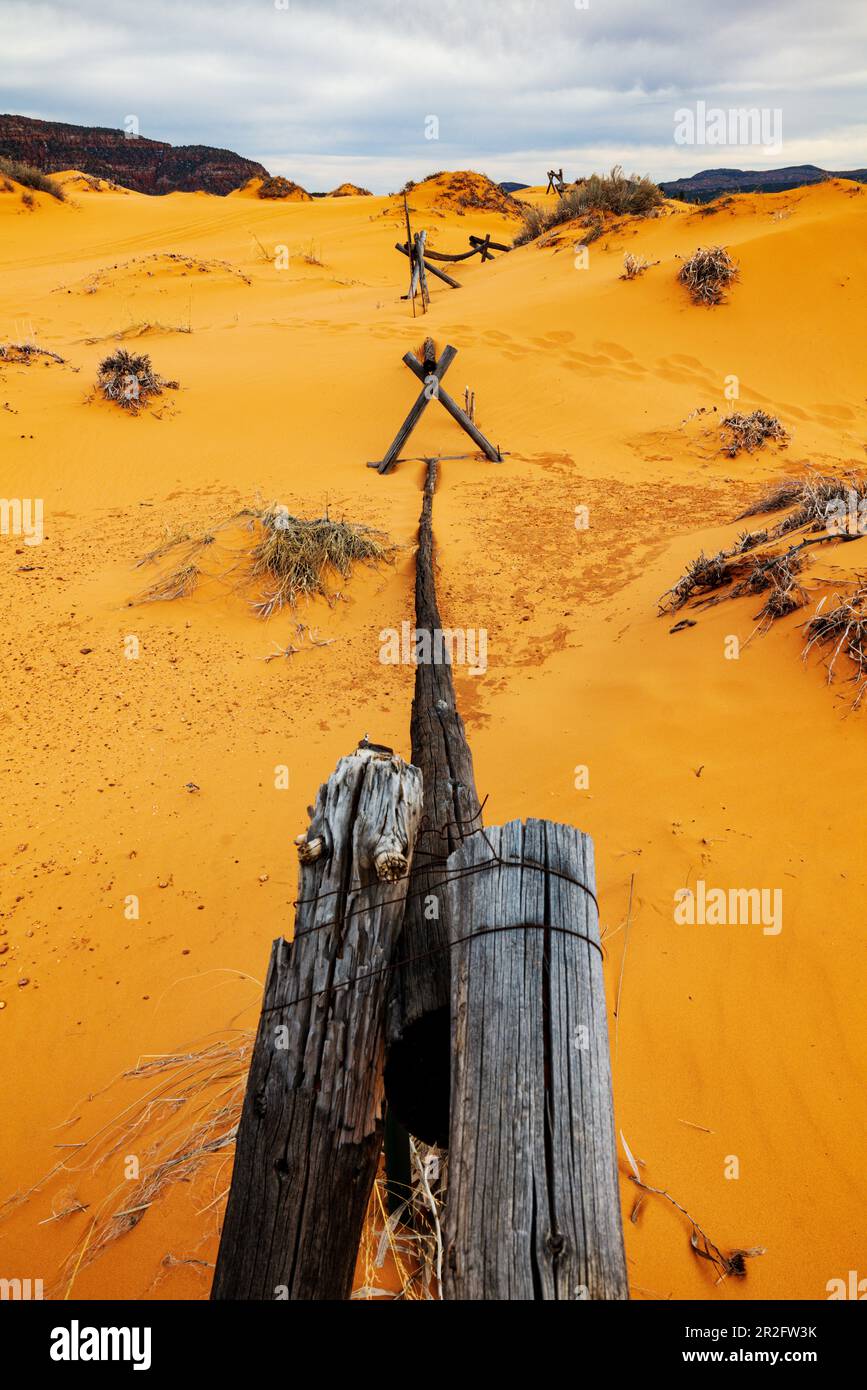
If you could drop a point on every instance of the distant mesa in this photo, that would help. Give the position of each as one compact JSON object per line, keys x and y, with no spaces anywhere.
{"x":513,"y":187}
{"x":710,"y":183}
{"x":145,"y":166}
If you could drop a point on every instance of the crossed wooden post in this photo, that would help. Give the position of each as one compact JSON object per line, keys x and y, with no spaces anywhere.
{"x":555,"y":182}
{"x":431,"y":374}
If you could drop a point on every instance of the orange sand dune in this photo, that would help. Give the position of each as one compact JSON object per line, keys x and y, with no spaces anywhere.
{"x":154,"y":776}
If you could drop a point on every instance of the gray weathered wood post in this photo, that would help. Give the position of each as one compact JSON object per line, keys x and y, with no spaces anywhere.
{"x":533,"y":1209}
{"x":310,"y":1134}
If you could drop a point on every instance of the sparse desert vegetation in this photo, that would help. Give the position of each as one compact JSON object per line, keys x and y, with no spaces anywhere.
{"x":128,"y":379}
{"x":707,"y":274}
{"x":749,"y":432}
{"x":634,"y":266}
{"x":30,"y":177}
{"x":281,"y":560}
{"x":613,"y":193}
{"x":278,"y":187}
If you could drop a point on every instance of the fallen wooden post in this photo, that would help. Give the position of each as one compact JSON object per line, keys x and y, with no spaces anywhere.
{"x":533,"y":1208}
{"x":489,"y":246}
{"x":478,"y":245}
{"x":431,"y":269}
{"x":432,"y":379}
{"x":418,"y":1060}
{"x":310,"y":1134}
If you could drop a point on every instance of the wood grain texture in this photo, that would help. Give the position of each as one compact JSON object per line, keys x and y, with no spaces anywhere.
{"x":417,"y":1072}
{"x":310,"y":1134}
{"x":533,"y":1208}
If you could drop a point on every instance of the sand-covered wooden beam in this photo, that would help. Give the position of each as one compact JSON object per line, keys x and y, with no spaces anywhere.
{"x":418,"y":1065}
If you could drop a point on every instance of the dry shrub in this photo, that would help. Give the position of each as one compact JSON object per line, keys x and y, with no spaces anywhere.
{"x":615,"y":193}
{"x":750,"y":431}
{"x":633,"y":266}
{"x":707,"y":274}
{"x":31,"y":177}
{"x":26,"y":353}
{"x":843,"y":629}
{"x":290,"y":558}
{"x":278,"y":187}
{"x":294,"y":557}
{"x":817,"y":501}
{"x":129,"y":379}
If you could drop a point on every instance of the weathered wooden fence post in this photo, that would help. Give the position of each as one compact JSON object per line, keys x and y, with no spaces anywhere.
{"x":310,"y":1134}
{"x":418,"y":1064}
{"x":533,"y":1210}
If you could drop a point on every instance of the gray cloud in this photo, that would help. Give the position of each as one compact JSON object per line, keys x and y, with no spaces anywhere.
{"x":328,"y":89}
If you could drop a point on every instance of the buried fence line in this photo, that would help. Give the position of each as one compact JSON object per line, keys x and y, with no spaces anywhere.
{"x":469,"y":994}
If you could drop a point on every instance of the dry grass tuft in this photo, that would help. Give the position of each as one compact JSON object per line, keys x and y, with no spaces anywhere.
{"x":750,"y":431}
{"x":633,"y":266}
{"x":185,"y":1119}
{"x":128,"y":379}
{"x":612,"y":193}
{"x":410,"y":1236}
{"x":290,"y":558}
{"x":707,"y":274}
{"x":294,"y":557}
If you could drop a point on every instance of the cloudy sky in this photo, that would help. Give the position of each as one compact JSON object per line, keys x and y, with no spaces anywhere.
{"x":326,"y":90}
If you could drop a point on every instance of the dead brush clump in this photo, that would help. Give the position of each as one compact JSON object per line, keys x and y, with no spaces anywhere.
{"x":707,"y":274}
{"x":742,"y":572}
{"x":701,"y":576}
{"x":291,"y":558}
{"x":825,"y":510}
{"x":27,"y":353}
{"x":841,"y":630}
{"x":633,"y":266}
{"x":129,"y":380}
{"x":818,"y":502}
{"x":749,"y":432}
{"x":615,"y":193}
{"x":779,"y":574}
